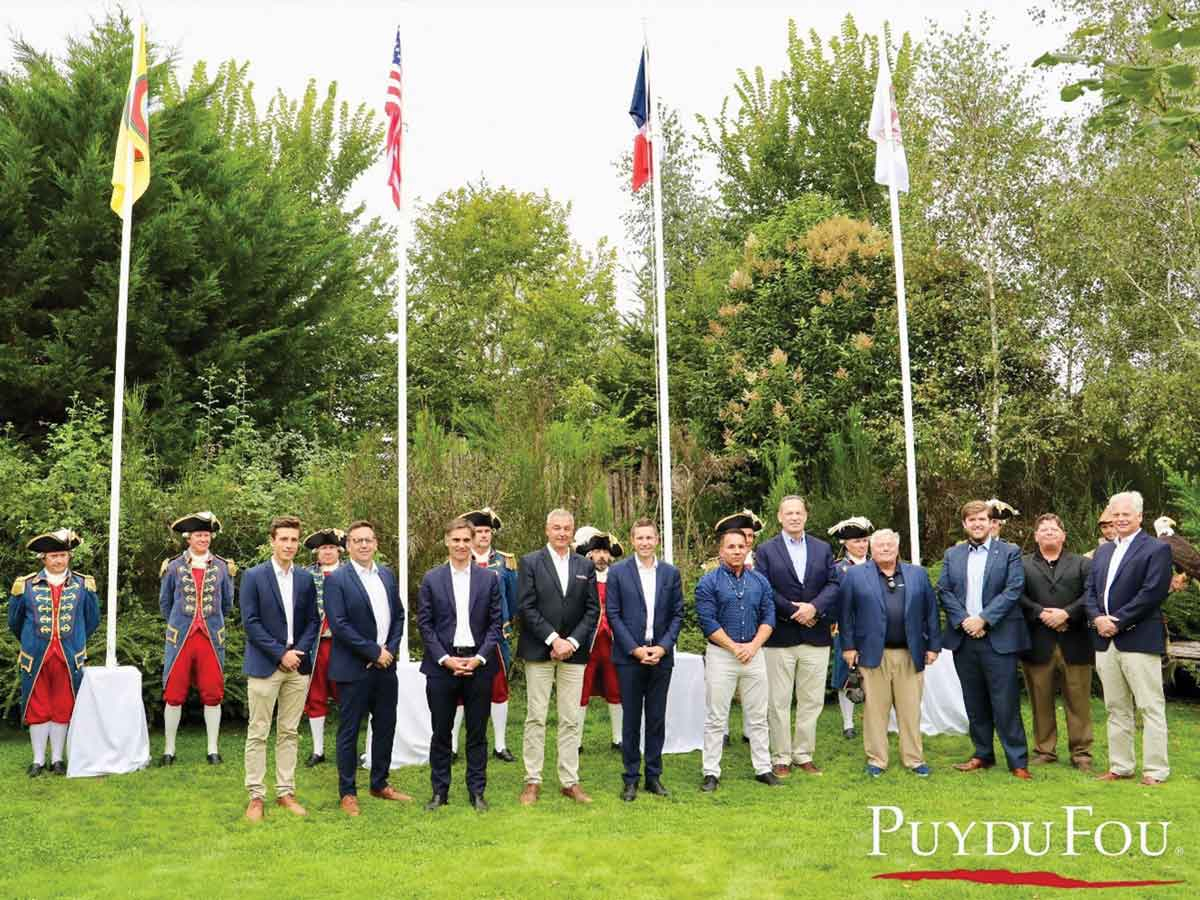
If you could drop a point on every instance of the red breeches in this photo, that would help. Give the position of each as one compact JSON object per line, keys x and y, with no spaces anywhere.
{"x":196,"y":665}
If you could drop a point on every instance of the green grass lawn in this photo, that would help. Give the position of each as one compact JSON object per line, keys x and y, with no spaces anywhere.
{"x":179,"y":831}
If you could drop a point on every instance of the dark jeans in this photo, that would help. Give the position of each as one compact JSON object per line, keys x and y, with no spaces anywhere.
{"x":443,"y":693}
{"x":992,"y":696}
{"x":376,"y":693}
{"x":643,"y":688}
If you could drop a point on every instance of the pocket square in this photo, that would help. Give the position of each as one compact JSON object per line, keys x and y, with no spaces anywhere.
{"x":581,"y":577}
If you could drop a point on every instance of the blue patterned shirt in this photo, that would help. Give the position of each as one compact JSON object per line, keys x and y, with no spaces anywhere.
{"x":737,"y":603}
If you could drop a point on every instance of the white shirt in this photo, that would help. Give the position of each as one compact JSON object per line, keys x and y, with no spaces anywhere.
{"x":461,"y":582}
{"x":1120,"y":548}
{"x":562,"y":566}
{"x":377,"y":594}
{"x":283,"y":578}
{"x":648,"y":575}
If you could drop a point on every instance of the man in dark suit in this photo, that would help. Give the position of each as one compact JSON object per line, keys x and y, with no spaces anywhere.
{"x":458,"y":612}
{"x":1130,"y":578}
{"x":279,"y":615}
{"x":365,"y":615}
{"x":645,"y":612}
{"x":980,"y":584}
{"x":1055,"y":580}
{"x":803,"y":575}
{"x":556,"y":591}
{"x":889,"y":630}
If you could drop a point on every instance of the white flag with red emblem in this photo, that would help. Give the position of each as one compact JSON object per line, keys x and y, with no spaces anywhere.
{"x":884,"y":130}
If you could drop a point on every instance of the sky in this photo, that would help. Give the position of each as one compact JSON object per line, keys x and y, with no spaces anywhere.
{"x":533,"y":97}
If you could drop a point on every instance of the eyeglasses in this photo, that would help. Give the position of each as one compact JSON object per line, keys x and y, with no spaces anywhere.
{"x":362,"y":540}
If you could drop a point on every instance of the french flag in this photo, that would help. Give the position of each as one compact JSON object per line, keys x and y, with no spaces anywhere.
{"x":639,"y":109}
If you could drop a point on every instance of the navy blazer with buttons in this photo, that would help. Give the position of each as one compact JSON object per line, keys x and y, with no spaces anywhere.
{"x":1136,"y":597}
{"x":265,"y":623}
{"x":352,"y":622}
{"x":863,"y":622}
{"x":625,"y":602}
{"x":820,"y":588}
{"x":1003,"y":581}
{"x":437,"y":617}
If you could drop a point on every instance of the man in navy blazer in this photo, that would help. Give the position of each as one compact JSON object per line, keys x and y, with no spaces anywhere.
{"x":366,"y":617}
{"x":803,"y":574}
{"x":458,"y":612}
{"x":279,"y":616}
{"x":889,"y":629}
{"x":979,"y":588}
{"x":645,"y":612}
{"x":1128,"y":582}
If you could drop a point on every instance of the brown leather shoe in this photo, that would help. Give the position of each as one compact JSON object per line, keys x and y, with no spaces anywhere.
{"x":1150,"y":781}
{"x":1083,"y":764}
{"x":1113,"y":776}
{"x":288,"y":802}
{"x":1043,"y":759}
{"x":809,"y":768}
{"x":1023,"y":774}
{"x":390,"y":793}
{"x":575,"y":792}
{"x":530,"y":794}
{"x":782,"y":771}
{"x":254,"y":812}
{"x":973,"y":764}
{"x":350,"y":805}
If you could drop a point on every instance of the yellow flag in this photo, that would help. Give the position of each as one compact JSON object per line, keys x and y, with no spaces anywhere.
{"x":134,"y":132}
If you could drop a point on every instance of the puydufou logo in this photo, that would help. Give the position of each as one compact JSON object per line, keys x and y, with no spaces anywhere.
{"x":1075,"y":832}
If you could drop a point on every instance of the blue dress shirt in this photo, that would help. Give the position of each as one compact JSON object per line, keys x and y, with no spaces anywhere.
{"x":976,"y":564}
{"x":798,"y":551}
{"x":739,"y":604}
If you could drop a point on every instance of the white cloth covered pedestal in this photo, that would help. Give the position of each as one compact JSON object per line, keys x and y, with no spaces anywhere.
{"x":942,"y":708}
{"x":685,"y":706}
{"x":414,"y":728}
{"x":108,"y":734}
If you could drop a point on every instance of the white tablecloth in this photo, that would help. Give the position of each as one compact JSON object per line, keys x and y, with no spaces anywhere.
{"x":685,"y":705}
{"x":413,"y":726}
{"x":942,"y":709}
{"x":108,"y":734}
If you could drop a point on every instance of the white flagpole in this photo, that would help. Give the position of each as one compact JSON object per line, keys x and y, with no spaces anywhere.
{"x":114,"y":488}
{"x":402,"y":406}
{"x":660,"y":304}
{"x":910,"y":454}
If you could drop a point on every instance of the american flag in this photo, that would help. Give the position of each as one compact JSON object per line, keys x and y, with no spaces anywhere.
{"x":395,"y":129}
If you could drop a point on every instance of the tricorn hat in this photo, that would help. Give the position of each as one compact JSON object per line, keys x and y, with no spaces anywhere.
{"x":854,"y":527}
{"x":998,"y":509}
{"x":588,"y":539}
{"x":483,"y":518}
{"x":201,"y":521}
{"x":54,"y":541}
{"x":325,"y":536}
{"x":739,"y":521}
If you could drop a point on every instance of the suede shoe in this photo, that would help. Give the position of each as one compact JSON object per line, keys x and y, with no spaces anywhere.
{"x":254,"y":811}
{"x":288,"y":802}
{"x":575,"y":792}
{"x":530,"y":794}
{"x":782,"y":771}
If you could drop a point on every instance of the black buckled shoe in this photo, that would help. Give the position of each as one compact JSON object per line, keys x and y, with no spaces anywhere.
{"x":504,"y":755}
{"x":770,"y":779}
{"x":710,"y":783}
{"x":35,"y":770}
{"x":314,"y":759}
{"x":214,"y":759}
{"x":436,"y":802}
{"x":58,"y":768}
{"x":167,"y":759}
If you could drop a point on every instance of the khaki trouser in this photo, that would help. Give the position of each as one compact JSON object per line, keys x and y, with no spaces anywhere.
{"x":1076,"y":678}
{"x":1129,"y":679}
{"x":803,"y":669}
{"x":567,"y":679}
{"x":289,"y":690}
{"x":723,"y":675}
{"x":894,"y":682}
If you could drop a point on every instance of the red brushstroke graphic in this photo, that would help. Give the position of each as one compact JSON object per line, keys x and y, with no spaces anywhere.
{"x":1004,"y":876}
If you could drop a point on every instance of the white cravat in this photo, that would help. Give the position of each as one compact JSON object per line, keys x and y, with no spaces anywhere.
{"x":1120,"y":548}
{"x":60,"y":578}
{"x":461,"y":582}
{"x":283,"y":578}
{"x":648,"y":575}
{"x":377,"y":594}
{"x":198,"y":562}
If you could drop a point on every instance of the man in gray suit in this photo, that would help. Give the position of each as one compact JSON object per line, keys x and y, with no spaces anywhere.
{"x":556,"y":593}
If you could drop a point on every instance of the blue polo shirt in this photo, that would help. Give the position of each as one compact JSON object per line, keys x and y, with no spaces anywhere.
{"x":737,"y":603}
